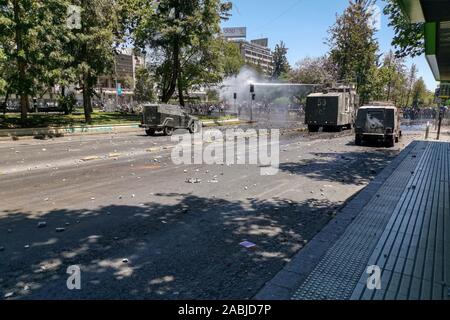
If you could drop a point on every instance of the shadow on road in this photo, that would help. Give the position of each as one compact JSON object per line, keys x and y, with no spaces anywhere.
{"x":352,"y":168}
{"x":187,"y":250}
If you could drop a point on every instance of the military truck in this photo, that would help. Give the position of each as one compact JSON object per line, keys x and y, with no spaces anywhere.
{"x":333,"y":109}
{"x":378,"y":123}
{"x":166,"y":119}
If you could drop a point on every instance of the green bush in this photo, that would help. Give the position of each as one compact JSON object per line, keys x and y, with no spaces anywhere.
{"x":68,"y":103}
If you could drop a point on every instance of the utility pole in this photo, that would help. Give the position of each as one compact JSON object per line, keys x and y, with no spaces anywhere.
{"x":116,"y":82}
{"x":441,"y":114}
{"x":252,"y":98}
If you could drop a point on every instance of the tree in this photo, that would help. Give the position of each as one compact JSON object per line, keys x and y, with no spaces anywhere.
{"x":92,"y":48}
{"x":319,"y":70}
{"x":409,"y":39}
{"x":144,"y":91}
{"x":390,"y":79}
{"x":419,"y":93}
{"x":232,"y":60}
{"x":353,"y":47}
{"x":30,"y":34}
{"x":182,"y":34}
{"x":280,"y":62}
{"x":412,"y":77}
{"x":3,"y":81}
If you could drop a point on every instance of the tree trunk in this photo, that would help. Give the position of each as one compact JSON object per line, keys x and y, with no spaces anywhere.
{"x":5,"y":102}
{"x":167,"y":95}
{"x":180,"y":91}
{"x":87,"y":102}
{"x":21,"y":63}
{"x":176,"y":63}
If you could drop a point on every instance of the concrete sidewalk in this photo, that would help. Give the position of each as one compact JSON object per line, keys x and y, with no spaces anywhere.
{"x":400,"y":223}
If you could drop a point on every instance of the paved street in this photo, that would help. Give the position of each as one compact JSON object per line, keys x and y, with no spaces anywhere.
{"x":138,"y":230}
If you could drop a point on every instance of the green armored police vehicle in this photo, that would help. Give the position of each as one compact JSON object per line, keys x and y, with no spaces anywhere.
{"x":378,"y":123}
{"x":166,"y":119}
{"x":333,"y":109}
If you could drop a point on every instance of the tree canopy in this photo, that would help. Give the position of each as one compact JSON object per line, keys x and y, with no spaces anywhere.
{"x":353,"y":47}
{"x":281,"y":65}
{"x":409,"y":37}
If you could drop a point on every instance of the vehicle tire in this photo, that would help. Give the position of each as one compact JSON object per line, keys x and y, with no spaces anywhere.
{"x":397,"y":139}
{"x":168,"y":131}
{"x":390,"y":142}
{"x":358,"y":140}
{"x":150,"y":132}
{"x":313,"y":128}
{"x":194,"y":127}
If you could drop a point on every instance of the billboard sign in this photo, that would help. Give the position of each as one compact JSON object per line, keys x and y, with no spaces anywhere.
{"x":235,"y":32}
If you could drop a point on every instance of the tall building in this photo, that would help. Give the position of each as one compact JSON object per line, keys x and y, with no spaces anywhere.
{"x":255,"y":52}
{"x":123,"y":76}
{"x":257,"y":55}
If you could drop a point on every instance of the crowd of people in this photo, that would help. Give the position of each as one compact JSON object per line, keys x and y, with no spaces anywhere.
{"x":208,"y":109}
{"x":420,"y":113}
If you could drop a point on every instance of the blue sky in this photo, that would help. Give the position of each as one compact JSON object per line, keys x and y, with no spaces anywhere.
{"x":303,"y":25}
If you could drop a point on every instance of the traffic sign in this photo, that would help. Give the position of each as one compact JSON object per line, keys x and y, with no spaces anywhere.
{"x":444,"y":91}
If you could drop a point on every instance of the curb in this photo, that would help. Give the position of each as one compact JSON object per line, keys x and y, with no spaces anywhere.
{"x":61,"y":131}
{"x":13,"y":134}
{"x":215,"y":123}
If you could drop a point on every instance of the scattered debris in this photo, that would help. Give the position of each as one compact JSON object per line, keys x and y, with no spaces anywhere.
{"x":59,"y":230}
{"x":27,"y":246}
{"x":9,"y":295}
{"x":91,"y":158}
{"x":42,"y":224}
{"x":247,"y":244}
{"x":194,"y":181}
{"x":125,"y":261}
{"x":114,"y":155}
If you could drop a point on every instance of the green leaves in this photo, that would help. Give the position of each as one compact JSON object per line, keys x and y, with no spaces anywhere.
{"x":280,"y":62}
{"x":409,"y":38}
{"x":353,"y":47}
{"x":183,"y":37}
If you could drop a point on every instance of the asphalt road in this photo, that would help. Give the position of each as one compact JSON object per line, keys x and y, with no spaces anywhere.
{"x":138,"y":230}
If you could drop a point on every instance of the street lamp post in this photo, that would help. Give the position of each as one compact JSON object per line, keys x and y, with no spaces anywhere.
{"x":441,"y":114}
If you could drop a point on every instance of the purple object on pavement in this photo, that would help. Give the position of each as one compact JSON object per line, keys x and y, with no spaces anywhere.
{"x":247,"y":244}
